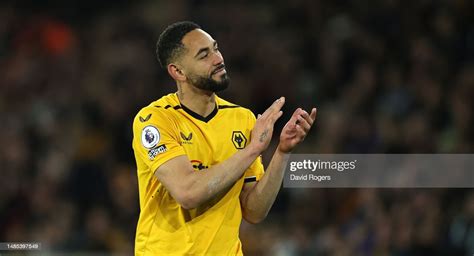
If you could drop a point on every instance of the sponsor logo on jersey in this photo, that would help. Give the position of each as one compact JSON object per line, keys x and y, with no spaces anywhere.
{"x":155,"y":151}
{"x":197,"y":165}
{"x":239,"y":140}
{"x":145,"y":119}
{"x":150,"y":136}
{"x":186,"y":139}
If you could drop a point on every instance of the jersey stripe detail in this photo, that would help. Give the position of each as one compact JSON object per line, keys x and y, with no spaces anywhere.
{"x":196,"y":115}
{"x":174,"y":107}
{"x":169,"y":106}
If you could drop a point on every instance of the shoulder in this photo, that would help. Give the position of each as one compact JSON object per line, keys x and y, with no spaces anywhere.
{"x":158,"y":119}
{"x":158,"y":109}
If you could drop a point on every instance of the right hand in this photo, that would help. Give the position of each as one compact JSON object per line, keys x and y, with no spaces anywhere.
{"x":262,"y":131}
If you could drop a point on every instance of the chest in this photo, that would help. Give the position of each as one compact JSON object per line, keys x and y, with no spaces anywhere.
{"x":209,"y":143}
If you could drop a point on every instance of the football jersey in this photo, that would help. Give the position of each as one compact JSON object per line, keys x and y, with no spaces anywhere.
{"x":166,"y":129}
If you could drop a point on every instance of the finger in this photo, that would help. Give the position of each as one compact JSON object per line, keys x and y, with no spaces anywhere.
{"x":279,"y":103}
{"x":277,"y":116}
{"x":274,"y":117}
{"x":304,"y":123}
{"x":301,"y":133}
{"x":306,"y":117}
{"x":290,"y":128}
{"x":314,"y":111}
{"x":297,"y":112}
{"x":291,"y":133}
{"x":275,"y":107}
{"x":294,"y":116}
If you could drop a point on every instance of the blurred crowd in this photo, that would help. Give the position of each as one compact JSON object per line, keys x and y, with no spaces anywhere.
{"x":387,"y":76}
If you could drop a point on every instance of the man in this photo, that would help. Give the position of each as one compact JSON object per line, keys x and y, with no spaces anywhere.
{"x":198,"y":156}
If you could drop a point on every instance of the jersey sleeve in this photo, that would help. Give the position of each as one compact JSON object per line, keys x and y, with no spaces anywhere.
{"x":256,"y":170}
{"x":155,"y":138}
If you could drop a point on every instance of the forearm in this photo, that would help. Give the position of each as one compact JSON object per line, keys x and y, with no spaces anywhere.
{"x":260,"y":199}
{"x":220,"y":177}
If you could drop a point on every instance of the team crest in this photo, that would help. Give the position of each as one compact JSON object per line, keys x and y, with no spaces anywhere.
{"x":239,"y":139}
{"x":150,"y":136}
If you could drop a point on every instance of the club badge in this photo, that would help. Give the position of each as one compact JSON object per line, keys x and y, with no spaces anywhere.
{"x":239,"y":139}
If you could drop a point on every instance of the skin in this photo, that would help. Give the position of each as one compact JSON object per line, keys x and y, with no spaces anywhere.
{"x":192,"y":189}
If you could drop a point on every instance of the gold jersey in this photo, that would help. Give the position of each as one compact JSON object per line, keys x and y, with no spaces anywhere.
{"x":166,"y":129}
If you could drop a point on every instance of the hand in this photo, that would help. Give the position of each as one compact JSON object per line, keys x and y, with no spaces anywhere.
{"x":263,"y":129}
{"x":296,"y":129}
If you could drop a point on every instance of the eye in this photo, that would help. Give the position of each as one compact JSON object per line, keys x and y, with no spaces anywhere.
{"x":204,"y":56}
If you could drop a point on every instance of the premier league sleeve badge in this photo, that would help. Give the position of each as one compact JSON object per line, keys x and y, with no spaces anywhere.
{"x":150,"y":137}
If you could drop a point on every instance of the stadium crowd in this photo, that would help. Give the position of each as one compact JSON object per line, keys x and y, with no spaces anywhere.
{"x":387,"y":76}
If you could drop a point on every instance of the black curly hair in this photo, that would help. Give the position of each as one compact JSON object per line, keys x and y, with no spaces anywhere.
{"x":169,"y":45}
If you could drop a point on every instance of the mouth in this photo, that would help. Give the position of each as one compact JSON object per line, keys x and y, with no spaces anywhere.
{"x":220,"y":69}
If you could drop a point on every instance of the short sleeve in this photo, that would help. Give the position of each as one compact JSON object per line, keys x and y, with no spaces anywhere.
{"x":155,"y":138}
{"x":256,"y":170}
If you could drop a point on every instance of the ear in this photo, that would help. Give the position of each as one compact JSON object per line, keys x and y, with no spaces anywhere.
{"x":175,"y":72}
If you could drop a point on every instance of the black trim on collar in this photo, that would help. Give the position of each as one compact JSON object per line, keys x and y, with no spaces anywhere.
{"x":198,"y":116}
{"x":228,"y":106}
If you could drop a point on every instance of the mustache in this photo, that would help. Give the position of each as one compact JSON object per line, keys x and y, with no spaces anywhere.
{"x":221,"y":66}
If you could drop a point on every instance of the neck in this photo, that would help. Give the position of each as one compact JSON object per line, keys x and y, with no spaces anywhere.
{"x":199,"y":101}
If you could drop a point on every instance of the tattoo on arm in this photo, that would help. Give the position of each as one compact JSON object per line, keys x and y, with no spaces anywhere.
{"x":263,"y":135}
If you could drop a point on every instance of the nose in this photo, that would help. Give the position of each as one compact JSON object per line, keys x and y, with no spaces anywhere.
{"x":217,"y":59}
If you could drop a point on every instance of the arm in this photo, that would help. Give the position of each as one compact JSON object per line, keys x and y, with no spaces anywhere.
{"x":257,"y":197}
{"x":191,"y":189}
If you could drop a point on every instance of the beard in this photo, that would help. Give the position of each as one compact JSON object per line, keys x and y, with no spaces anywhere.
{"x":209,"y":84}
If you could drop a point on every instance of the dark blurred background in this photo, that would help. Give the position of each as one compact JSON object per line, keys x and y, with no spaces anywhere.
{"x":387,"y":76}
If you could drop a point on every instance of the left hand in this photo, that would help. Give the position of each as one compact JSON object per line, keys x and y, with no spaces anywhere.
{"x":296,"y":129}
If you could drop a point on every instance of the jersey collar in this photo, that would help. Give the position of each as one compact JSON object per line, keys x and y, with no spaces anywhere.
{"x":198,"y":116}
